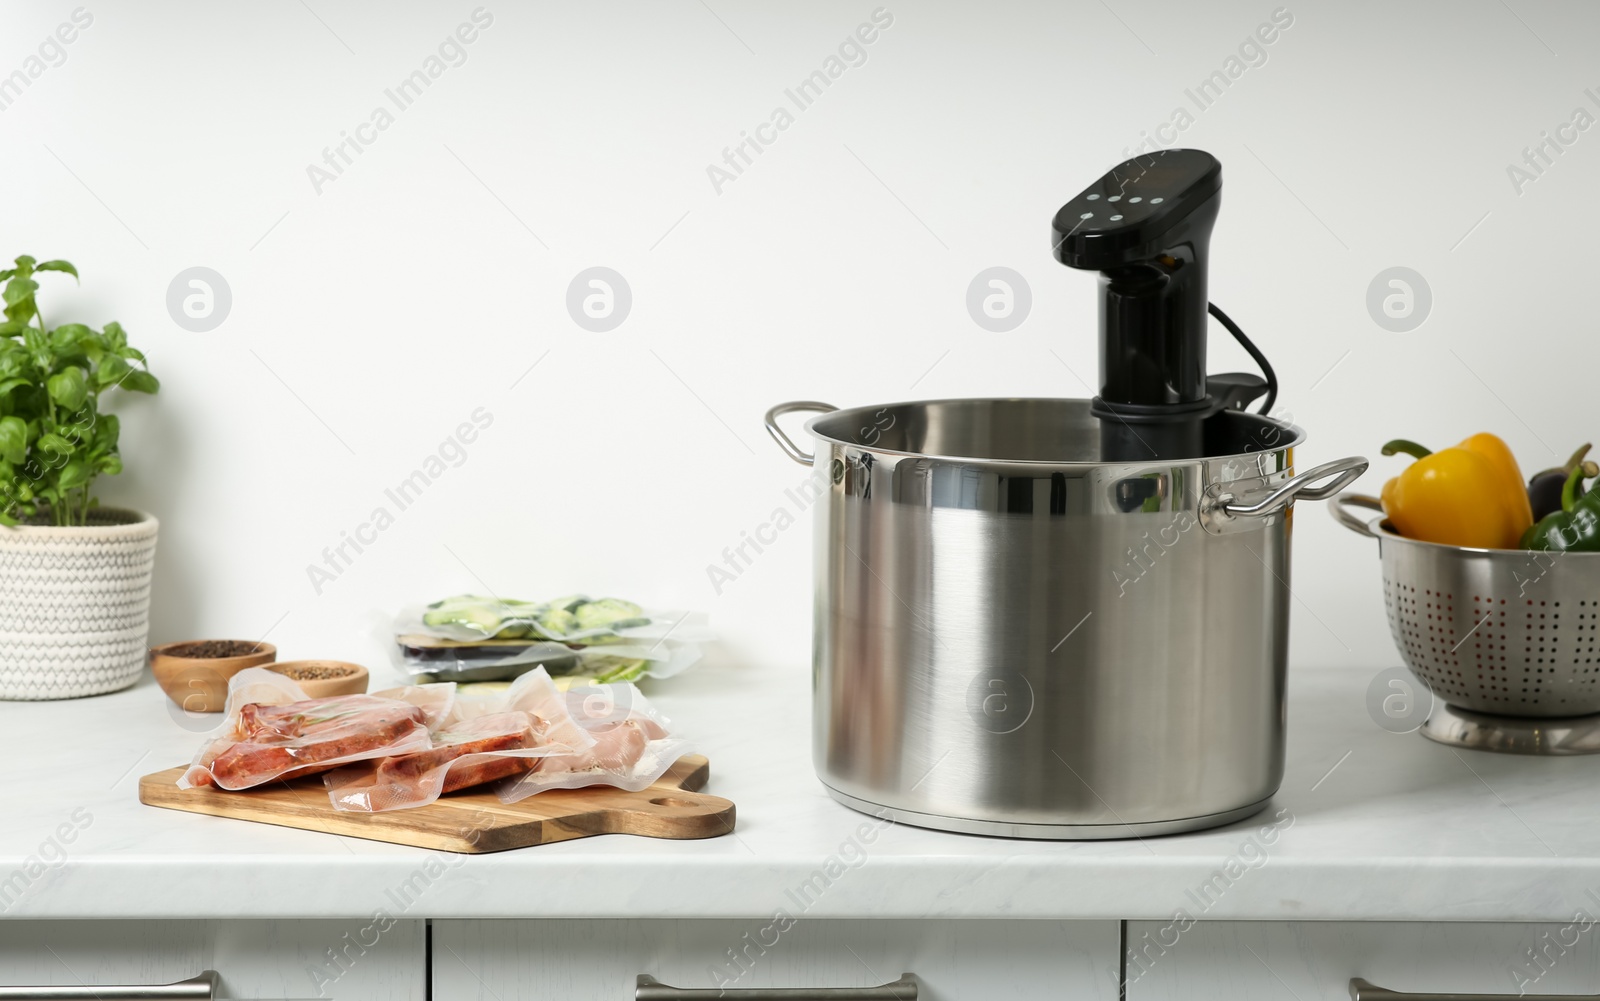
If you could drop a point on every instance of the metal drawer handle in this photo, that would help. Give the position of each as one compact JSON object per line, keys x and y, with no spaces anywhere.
{"x":1360,"y":990}
{"x":651,"y":989}
{"x":790,"y":449}
{"x":203,"y":986}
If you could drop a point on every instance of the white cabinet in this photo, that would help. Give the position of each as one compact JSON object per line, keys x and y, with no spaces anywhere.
{"x":953,"y":960}
{"x":600,"y":960}
{"x":350,"y":960}
{"x":1315,"y":961}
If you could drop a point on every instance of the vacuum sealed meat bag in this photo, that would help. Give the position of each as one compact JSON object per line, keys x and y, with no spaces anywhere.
{"x":270,"y":732}
{"x":465,"y":754}
{"x":477,"y":741}
{"x":631,"y":749}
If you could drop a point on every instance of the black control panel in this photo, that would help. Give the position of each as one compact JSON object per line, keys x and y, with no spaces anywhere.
{"x":1145,"y":226}
{"x":1130,"y":214}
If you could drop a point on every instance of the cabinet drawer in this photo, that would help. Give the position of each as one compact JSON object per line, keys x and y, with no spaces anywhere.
{"x":1315,"y":961}
{"x":350,"y":960}
{"x":600,"y":960}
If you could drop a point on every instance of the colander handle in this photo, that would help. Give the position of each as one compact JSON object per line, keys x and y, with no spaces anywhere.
{"x":1350,"y":521}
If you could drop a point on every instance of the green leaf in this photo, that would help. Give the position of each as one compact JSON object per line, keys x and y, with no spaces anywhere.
{"x":111,"y":370}
{"x":54,"y":444}
{"x":140,"y":382}
{"x":7,"y":273}
{"x":80,"y":430}
{"x":58,"y":266}
{"x":68,"y":388}
{"x":10,"y":328}
{"x":111,"y":465}
{"x":18,"y":289}
{"x":7,"y":385}
{"x":69,"y":334}
{"x":75,"y":474}
{"x":116,"y":337}
{"x":38,"y":347}
{"x":24,"y":264}
{"x":107,"y":429}
{"x":13,"y":439}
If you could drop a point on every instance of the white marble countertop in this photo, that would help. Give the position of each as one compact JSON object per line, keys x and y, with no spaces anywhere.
{"x":1385,"y":827}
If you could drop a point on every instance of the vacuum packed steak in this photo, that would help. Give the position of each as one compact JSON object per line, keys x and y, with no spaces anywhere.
{"x":302,"y":738}
{"x":492,"y":732}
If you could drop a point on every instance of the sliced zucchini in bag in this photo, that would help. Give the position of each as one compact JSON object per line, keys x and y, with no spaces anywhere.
{"x":480,"y":618}
{"x":612,"y":669}
{"x":606,"y":612}
{"x":556,"y":623}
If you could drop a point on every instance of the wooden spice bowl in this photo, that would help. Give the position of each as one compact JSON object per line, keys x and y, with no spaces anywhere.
{"x":195,"y":673}
{"x":322,"y":678}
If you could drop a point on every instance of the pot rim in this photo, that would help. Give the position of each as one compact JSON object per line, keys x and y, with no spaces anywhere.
{"x":1297,"y":436}
{"x":142,"y":524}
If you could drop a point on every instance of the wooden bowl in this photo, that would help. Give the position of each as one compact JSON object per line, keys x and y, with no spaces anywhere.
{"x":199,"y":684}
{"x":351,"y":680}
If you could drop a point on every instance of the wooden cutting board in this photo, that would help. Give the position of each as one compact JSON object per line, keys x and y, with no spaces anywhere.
{"x":472,"y":822}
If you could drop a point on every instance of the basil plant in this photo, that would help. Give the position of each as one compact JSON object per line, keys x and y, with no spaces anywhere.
{"x":54,"y":440}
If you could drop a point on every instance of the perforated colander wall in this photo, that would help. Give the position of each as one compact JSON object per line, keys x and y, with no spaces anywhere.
{"x":1508,"y":655}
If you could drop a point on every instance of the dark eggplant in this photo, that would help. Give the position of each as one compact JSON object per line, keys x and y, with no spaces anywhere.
{"x":1544,"y":487}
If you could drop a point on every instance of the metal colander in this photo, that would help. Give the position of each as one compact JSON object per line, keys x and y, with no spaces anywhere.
{"x":1500,"y":631}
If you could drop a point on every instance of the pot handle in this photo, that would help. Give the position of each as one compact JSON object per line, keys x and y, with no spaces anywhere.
{"x":784,"y":442}
{"x":1343,"y":471}
{"x":1337,"y":507}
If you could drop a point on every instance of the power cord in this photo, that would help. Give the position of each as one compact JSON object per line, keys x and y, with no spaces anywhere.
{"x":1254,"y":352}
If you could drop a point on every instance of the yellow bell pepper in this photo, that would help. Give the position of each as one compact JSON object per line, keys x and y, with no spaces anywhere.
{"x":1471,"y":495}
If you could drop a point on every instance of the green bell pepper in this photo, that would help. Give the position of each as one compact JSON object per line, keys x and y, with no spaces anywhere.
{"x":1573,"y":529}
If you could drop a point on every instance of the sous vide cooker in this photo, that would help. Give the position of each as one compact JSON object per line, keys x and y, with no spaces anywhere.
{"x":1062,"y":618}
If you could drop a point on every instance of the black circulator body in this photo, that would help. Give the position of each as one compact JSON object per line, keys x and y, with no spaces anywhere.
{"x":1146,"y":227}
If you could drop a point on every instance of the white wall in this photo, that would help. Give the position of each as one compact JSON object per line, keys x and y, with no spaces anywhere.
{"x":412,"y":289}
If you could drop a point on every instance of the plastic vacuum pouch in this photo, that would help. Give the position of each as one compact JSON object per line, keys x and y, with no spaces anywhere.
{"x":271,"y":731}
{"x":469,"y":639}
{"x":572,"y":619}
{"x":476,"y":741}
{"x":465,"y":754}
{"x":423,"y":657}
{"x":632,"y":747}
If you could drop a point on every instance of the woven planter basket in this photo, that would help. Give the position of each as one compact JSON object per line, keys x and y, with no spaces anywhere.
{"x":75,"y":605}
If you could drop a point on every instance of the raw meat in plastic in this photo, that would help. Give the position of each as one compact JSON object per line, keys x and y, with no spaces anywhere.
{"x":632,"y":746}
{"x":268,"y":743}
{"x":477,"y":741}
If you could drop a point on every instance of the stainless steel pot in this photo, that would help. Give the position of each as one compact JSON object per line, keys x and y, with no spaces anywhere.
{"x":1012,"y":637}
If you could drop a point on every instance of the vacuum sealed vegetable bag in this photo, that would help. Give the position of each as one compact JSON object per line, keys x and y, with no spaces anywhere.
{"x":468,"y":638}
{"x":271,"y":731}
{"x":573,"y":619}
